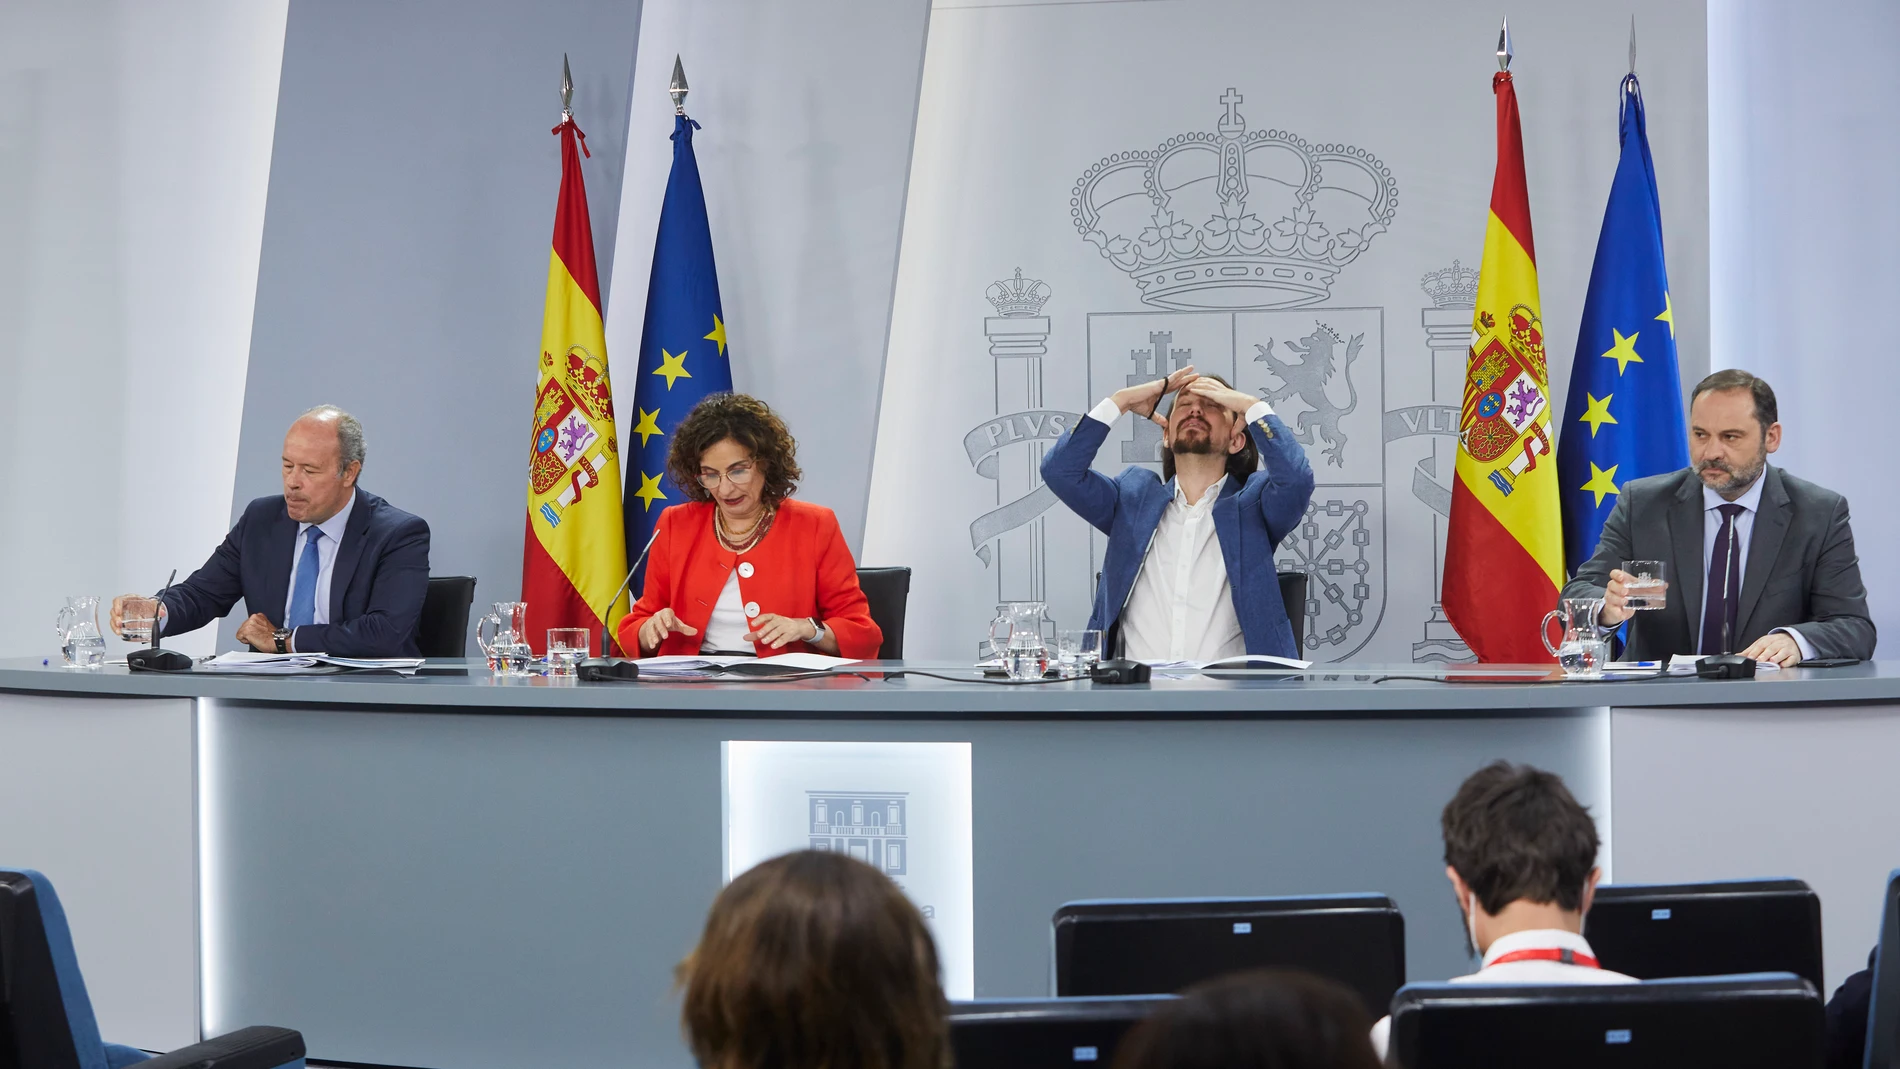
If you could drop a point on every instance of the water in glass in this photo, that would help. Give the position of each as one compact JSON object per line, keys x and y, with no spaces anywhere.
{"x":81,"y":643}
{"x":1648,"y":585}
{"x":1583,"y":658}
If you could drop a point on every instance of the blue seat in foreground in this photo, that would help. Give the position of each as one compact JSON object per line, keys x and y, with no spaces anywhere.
{"x":46,"y":1020}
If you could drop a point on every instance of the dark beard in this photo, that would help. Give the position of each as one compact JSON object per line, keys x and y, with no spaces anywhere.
{"x":1738,"y":479}
{"x":1200,"y":447}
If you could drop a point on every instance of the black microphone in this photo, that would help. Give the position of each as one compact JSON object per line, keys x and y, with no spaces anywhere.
{"x":155,"y":658}
{"x":603,"y":667}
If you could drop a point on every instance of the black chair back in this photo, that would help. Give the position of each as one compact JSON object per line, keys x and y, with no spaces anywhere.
{"x":1653,"y":931}
{"x":1883,"y":1009}
{"x":443,"y":628}
{"x":1043,"y":1033}
{"x":34,"y":1028}
{"x":888,"y":591}
{"x":1760,"y":1021}
{"x":1155,"y":946}
{"x":1293,"y":594}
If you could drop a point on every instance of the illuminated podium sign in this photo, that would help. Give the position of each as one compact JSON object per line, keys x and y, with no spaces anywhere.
{"x":901,"y":807}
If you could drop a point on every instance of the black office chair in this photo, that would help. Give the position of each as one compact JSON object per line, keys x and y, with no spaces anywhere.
{"x":1759,"y":1021}
{"x":1652,"y":931}
{"x":443,"y":629}
{"x":1293,"y":594}
{"x":46,"y":1018}
{"x":1882,"y":1049}
{"x":1044,"y":1032}
{"x":888,"y":591}
{"x":1154,"y":946}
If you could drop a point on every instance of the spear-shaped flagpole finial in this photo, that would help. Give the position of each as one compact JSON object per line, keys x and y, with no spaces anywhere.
{"x":567,"y":89}
{"x":1504,"y":45}
{"x":677,"y":87}
{"x":1632,"y":43}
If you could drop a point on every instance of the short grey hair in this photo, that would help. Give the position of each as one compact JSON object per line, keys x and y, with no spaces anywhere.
{"x":349,"y":435}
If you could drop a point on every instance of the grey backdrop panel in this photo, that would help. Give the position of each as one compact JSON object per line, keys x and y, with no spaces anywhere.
{"x":495,"y":891}
{"x":406,"y":242}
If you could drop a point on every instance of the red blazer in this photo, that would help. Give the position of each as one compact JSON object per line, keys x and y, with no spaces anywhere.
{"x":801,"y":568}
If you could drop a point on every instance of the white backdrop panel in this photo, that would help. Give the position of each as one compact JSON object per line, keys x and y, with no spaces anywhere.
{"x":1023,"y":105}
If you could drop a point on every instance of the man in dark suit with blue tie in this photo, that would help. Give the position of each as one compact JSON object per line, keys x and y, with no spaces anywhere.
{"x":325,"y":568}
{"x":1761,"y":563}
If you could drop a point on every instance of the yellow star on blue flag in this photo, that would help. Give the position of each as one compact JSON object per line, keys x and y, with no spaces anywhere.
{"x":1629,"y":290}
{"x":682,"y":300}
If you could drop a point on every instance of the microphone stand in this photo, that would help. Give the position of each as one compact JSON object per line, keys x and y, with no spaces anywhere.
{"x":155,"y":658}
{"x":1727,"y":665}
{"x":603,"y":667}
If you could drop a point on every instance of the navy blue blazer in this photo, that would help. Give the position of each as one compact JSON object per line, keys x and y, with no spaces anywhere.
{"x":376,"y":585}
{"x":1250,"y":520}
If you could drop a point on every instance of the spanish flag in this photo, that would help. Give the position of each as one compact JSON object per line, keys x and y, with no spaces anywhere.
{"x":575,"y":552}
{"x":1504,"y":552}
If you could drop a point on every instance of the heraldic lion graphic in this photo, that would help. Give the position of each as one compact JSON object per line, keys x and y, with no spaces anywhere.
{"x":1307,"y":380}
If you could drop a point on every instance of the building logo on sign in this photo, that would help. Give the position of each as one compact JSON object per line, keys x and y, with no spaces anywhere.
{"x":871,"y":826}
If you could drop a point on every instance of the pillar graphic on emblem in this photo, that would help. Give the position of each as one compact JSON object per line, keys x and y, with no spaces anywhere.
{"x":1447,"y":323}
{"x":1017,"y":336}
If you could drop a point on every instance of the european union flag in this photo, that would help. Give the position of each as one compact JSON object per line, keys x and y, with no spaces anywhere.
{"x":683,"y":345}
{"x":1624,"y":419}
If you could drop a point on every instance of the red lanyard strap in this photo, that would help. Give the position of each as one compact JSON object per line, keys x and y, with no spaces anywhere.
{"x":1567,"y":957}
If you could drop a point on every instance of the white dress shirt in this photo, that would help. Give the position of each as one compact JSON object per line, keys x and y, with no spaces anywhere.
{"x":327,"y":545}
{"x":1524,"y":972}
{"x":1182,"y":606}
{"x":1750,"y":501}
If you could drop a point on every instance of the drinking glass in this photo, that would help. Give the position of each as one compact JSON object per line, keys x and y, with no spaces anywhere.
{"x":567,"y":648}
{"x":140,"y":615}
{"x":1077,"y":652}
{"x":1648,"y":587}
{"x":77,"y":625}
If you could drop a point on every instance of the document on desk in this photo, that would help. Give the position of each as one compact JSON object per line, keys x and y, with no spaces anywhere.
{"x":693,"y":664}
{"x":1683,"y":664}
{"x":290,"y":664}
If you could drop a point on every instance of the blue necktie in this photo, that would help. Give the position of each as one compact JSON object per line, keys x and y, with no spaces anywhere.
{"x":303,"y":599}
{"x":1724,"y":601}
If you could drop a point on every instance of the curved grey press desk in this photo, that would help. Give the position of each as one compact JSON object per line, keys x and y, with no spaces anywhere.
{"x":456,"y":872}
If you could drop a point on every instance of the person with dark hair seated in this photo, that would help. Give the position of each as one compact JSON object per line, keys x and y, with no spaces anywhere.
{"x":741,"y":568}
{"x":814,"y":960}
{"x":1847,"y":1014}
{"x":1521,"y":855}
{"x":1262,"y":1019}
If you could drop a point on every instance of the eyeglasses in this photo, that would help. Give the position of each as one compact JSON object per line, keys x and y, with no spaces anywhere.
{"x":739,"y":474}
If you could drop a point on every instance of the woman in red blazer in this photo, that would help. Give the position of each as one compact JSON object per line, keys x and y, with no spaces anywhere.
{"x":740,"y":567}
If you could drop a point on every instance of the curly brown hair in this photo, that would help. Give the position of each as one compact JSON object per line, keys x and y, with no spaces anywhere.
{"x":747,"y":421}
{"x":814,"y":960}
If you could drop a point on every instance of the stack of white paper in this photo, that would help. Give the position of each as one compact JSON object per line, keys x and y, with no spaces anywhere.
{"x":287,"y":664}
{"x":693,"y":664}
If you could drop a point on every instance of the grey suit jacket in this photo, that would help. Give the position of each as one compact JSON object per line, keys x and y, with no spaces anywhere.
{"x":1801,"y":569}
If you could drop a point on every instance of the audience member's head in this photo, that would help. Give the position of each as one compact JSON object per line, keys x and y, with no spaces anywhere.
{"x":1520,"y":851}
{"x":814,"y":961}
{"x":1266,"y":1019}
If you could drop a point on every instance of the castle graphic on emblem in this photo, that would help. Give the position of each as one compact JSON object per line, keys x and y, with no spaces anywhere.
{"x":1233,"y":240}
{"x":1237,"y":218}
{"x":1012,"y":539}
{"x":872,"y":826}
{"x":575,"y":400}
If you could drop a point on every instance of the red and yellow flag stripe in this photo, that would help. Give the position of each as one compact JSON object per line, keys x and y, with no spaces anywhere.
{"x":1504,"y":548}
{"x":574,"y":552}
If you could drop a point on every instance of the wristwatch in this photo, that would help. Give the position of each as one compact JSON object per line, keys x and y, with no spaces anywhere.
{"x":282,"y":635}
{"x":817,"y":629}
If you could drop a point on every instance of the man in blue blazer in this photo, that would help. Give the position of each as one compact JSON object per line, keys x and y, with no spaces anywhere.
{"x":1189,"y":571}
{"x":325,"y":568}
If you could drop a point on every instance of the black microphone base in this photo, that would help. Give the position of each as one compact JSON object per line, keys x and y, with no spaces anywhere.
{"x":153,"y":659}
{"x":1120,"y":671}
{"x":608,"y":669}
{"x":1725,"y":666}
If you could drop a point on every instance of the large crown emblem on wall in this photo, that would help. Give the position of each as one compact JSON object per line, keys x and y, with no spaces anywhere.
{"x":1234,"y":219}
